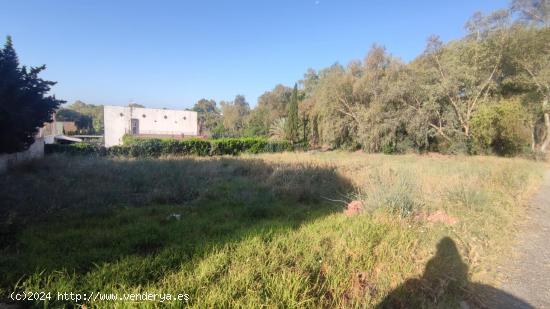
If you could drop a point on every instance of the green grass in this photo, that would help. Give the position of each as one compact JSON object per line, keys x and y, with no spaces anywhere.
{"x":256,"y":230}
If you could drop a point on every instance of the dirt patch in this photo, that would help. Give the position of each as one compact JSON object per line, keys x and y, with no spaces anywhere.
{"x":438,"y":216}
{"x":354,"y":208}
{"x":360,"y":285}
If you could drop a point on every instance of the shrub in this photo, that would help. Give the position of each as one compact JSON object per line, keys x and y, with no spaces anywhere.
{"x":501,"y":129}
{"x":278,"y":146}
{"x":75,"y":149}
{"x":152,"y":148}
{"x":233,"y":146}
{"x":393,"y":191}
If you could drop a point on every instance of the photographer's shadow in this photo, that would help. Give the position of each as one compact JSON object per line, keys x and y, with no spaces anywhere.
{"x":445,"y":284}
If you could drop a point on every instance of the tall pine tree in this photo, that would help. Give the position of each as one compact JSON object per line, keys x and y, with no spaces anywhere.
{"x":293,"y":121}
{"x":24,"y":101}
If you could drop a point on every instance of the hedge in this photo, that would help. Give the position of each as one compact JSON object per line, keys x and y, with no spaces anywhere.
{"x":141,"y":148}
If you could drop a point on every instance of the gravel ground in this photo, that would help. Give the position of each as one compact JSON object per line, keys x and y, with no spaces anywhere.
{"x":527,"y":275}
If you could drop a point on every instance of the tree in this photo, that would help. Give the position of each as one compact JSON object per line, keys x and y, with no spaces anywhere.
{"x":533,"y":11}
{"x":293,"y":121}
{"x":271,"y":106}
{"x":465,"y":75}
{"x":84,"y":123}
{"x":208,"y":114}
{"x":24,"y":103}
{"x":95,"y":112}
{"x":454,"y":97}
{"x":234,"y":115}
{"x":257,"y":122}
{"x":530,"y":55}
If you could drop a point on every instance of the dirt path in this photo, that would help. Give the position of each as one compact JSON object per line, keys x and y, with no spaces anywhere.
{"x":527,"y":275}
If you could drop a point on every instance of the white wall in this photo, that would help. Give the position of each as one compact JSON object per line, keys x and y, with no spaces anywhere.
{"x":117,"y":120}
{"x":114,"y":125}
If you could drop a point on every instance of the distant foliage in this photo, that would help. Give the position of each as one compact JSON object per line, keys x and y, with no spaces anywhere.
{"x":152,"y":148}
{"x":436,"y":102}
{"x":209,"y":116}
{"x":272,"y":105}
{"x":88,"y":117}
{"x":24,"y":101}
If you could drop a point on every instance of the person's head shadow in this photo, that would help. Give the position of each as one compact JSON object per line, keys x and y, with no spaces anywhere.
{"x":445,"y":283}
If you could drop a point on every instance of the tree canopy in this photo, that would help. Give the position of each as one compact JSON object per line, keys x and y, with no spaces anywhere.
{"x":87,"y":117}
{"x":464,"y":96}
{"x":24,"y":101}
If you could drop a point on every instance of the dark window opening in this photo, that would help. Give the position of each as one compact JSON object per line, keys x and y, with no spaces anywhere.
{"x":134,"y":126}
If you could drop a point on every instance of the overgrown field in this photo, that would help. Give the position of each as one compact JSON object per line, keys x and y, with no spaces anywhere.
{"x":262,"y":230}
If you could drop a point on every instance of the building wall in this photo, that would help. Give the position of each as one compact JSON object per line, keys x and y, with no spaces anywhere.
{"x":114,"y":125}
{"x":152,"y":121}
{"x":35,"y":151}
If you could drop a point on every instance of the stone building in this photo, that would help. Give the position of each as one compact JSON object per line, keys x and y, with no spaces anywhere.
{"x":147,"y":122}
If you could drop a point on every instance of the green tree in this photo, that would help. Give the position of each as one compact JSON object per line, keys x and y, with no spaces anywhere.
{"x":465,"y":74}
{"x":84,"y":123}
{"x":271,"y":106}
{"x":95,"y":112}
{"x":234,"y":115}
{"x":209,"y":116}
{"x":24,"y":103}
{"x":293,"y":120}
{"x":530,"y":56}
{"x":533,"y":11}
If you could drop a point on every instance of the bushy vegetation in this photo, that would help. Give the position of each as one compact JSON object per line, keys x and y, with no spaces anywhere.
{"x":502,"y":128}
{"x":152,"y":148}
{"x":257,"y":230}
{"x":87,"y":117}
{"x":382,"y":104}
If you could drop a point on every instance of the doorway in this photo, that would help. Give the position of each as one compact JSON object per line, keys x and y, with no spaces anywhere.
{"x":134,"y":126}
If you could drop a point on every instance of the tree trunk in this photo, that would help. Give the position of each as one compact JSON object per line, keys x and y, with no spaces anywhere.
{"x":533,"y":140}
{"x":546,"y":142}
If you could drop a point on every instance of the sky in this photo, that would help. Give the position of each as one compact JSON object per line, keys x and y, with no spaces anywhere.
{"x":173,"y":53}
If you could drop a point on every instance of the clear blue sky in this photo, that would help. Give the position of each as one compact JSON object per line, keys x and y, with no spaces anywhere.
{"x":172,"y":53}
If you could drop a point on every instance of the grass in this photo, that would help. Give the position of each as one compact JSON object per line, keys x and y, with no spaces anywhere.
{"x":260,"y":230}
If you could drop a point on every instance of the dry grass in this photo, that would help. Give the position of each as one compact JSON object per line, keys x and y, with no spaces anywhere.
{"x":260,"y":230}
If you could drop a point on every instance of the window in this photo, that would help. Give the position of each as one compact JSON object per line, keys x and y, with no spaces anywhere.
{"x":121,"y":115}
{"x":184,"y":118}
{"x":143,"y":116}
{"x":165,"y":117}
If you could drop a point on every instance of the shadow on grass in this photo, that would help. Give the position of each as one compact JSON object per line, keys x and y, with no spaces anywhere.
{"x":65,"y":217}
{"x":445,"y":284}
